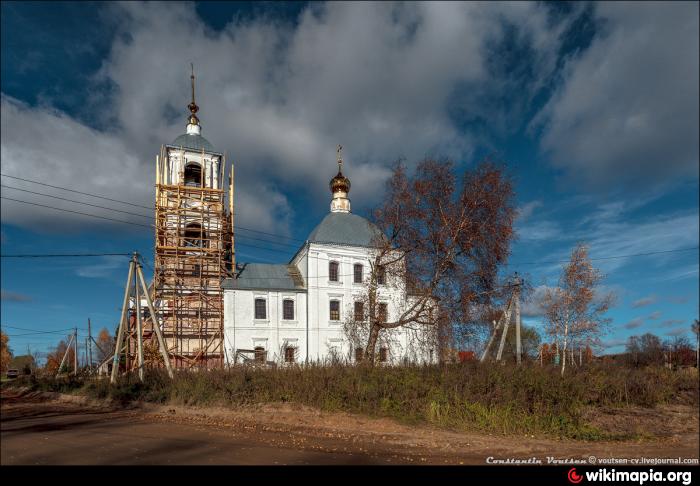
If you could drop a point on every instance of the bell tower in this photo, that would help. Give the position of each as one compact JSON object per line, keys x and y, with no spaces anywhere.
{"x":193,"y":246}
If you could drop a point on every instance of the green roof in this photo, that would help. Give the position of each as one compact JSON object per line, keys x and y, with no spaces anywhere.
{"x":265,"y":276}
{"x":345,"y":229}
{"x":194,"y":142}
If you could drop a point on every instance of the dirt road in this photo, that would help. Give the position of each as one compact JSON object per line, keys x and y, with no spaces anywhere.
{"x":42,"y":429}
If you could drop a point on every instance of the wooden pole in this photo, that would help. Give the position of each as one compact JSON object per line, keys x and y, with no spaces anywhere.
{"x":120,"y":332}
{"x":139,"y":329}
{"x":231,"y":210}
{"x":156,"y":323}
{"x":89,"y":340}
{"x":496,"y":327}
{"x":518,"y":344}
{"x":505,"y":329}
{"x":65,"y":355}
{"x":75,"y":358}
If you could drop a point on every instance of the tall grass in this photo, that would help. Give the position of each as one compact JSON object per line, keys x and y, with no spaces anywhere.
{"x":501,"y":399}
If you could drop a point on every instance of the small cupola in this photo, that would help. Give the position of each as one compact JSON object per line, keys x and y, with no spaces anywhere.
{"x":340,"y":187}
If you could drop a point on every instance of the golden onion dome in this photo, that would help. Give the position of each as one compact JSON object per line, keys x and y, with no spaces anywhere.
{"x":340,"y":183}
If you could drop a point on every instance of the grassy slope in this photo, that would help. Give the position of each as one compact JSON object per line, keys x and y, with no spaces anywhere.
{"x":502,"y":399}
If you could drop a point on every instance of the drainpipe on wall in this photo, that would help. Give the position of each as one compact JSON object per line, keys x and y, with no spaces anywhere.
{"x":308,"y":292}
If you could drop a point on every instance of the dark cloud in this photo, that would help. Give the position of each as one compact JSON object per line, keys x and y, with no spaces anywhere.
{"x":627,"y":111}
{"x":644,"y":301}
{"x":634,"y":323}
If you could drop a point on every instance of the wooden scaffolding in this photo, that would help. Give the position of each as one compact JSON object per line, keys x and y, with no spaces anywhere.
{"x":193,"y":250}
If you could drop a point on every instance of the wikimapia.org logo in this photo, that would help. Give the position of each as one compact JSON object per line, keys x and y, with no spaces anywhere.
{"x":639,"y":477}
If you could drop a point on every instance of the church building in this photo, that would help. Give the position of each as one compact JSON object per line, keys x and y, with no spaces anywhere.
{"x":295,"y":312}
{"x":218,"y":312}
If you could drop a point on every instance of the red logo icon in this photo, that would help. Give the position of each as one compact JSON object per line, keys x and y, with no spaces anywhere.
{"x":574,"y":477}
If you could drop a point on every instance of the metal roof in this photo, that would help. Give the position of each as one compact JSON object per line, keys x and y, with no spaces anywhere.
{"x":345,"y":229}
{"x":266,"y":276}
{"x":194,"y":142}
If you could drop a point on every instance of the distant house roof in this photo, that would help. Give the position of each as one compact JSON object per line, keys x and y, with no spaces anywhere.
{"x":253,"y":276}
{"x":194,"y":142}
{"x":345,"y":229}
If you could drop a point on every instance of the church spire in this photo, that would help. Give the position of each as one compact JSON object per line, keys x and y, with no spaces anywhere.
{"x":340,"y":187}
{"x":193,"y":126}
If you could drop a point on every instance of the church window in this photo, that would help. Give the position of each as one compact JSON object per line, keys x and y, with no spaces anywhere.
{"x":335,"y":310}
{"x":290,"y":354}
{"x":359,"y":355}
{"x":333,"y":271}
{"x":260,"y":354}
{"x":359,"y":311}
{"x":383,"y":354}
{"x":288,"y":309}
{"x":260,"y":309}
{"x":193,"y":175}
{"x":357,"y":271}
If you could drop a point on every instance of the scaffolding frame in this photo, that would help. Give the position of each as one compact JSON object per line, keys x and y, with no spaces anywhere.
{"x":193,"y":234}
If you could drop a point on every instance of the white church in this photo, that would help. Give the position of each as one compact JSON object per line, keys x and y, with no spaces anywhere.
{"x":294,"y":312}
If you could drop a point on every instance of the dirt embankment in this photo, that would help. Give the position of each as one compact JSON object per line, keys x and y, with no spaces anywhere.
{"x":36,"y":426}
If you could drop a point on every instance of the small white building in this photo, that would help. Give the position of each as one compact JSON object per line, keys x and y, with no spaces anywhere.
{"x":295,"y":312}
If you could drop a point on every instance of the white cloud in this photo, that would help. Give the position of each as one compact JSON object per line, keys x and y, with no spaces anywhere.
{"x":277,"y":98}
{"x":627,"y":111}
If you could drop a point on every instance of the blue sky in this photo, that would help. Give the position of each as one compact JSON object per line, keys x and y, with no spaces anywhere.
{"x":593,"y":107}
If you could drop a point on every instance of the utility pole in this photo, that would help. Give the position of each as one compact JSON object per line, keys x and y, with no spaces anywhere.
{"x":139,"y":329}
{"x":75,"y":357}
{"x":136,"y":273}
{"x":65,"y":355}
{"x":516,"y":297}
{"x":89,"y":350}
{"x":506,"y":320}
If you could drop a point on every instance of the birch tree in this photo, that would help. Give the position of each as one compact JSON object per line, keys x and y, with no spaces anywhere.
{"x":575,"y":308}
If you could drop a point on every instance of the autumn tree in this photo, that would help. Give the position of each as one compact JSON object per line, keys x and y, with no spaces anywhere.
{"x":105,"y":345}
{"x":443,"y":237}
{"x":5,"y":352}
{"x":54,"y":358}
{"x":574,"y":309}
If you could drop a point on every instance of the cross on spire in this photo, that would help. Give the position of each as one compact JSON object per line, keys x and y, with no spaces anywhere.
{"x":193,"y":106}
{"x":340,"y":158}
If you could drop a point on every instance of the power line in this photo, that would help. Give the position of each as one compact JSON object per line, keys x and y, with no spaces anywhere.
{"x":77,"y":212}
{"x":77,"y":202}
{"x":126,"y":202}
{"x":77,"y":192}
{"x":62,"y":255}
{"x":58,"y":331}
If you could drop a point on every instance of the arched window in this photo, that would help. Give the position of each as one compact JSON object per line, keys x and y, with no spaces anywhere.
{"x":383,"y":354}
{"x":194,"y":236}
{"x":333,"y":271}
{"x":193,"y":174}
{"x":359,"y":355}
{"x":357,"y":271}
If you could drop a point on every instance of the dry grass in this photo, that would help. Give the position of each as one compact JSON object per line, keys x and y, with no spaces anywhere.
{"x":469,"y":396}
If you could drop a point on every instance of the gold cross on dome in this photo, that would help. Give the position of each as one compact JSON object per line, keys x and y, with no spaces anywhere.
{"x":340,"y":158}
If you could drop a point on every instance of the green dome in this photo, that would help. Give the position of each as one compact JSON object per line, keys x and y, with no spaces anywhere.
{"x":193,"y":142}
{"x":345,"y":229}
